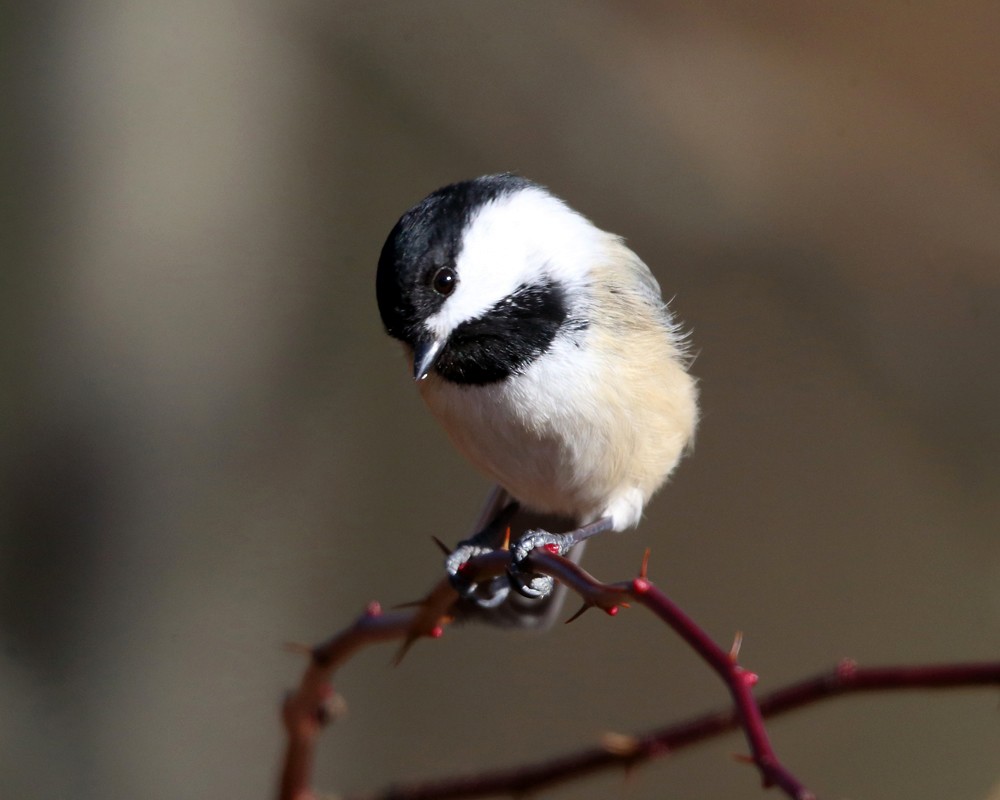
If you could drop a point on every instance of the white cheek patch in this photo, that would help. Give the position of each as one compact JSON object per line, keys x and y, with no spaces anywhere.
{"x":520,"y":239}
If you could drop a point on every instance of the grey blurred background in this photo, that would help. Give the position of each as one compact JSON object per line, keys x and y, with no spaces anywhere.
{"x":208,"y":447}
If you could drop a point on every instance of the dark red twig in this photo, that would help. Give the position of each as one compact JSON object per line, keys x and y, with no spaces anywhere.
{"x":739,"y":681}
{"x":311,"y":705}
{"x":628,"y":751}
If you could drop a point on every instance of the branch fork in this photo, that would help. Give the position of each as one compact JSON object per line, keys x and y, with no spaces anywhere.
{"x":314,"y":703}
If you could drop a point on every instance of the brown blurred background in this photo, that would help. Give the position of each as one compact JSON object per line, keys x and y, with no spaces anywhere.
{"x":208,"y":446}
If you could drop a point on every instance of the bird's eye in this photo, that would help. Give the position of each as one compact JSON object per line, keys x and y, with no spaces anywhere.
{"x":444,"y":281}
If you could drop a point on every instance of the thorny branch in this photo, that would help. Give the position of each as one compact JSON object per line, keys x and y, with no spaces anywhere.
{"x":313,"y":704}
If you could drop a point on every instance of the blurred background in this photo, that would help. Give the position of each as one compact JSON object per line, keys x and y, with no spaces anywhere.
{"x":208,"y":447}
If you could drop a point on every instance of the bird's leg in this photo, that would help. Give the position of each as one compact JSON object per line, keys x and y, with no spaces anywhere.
{"x":531,"y":585}
{"x":490,"y":538}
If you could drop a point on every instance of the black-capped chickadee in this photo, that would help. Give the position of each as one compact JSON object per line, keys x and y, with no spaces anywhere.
{"x":543,"y":346}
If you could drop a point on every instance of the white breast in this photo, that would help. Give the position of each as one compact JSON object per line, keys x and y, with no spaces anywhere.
{"x":574,"y":435}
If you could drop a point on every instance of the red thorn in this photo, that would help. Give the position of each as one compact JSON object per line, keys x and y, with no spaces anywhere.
{"x":611,"y":612}
{"x":579,"y":613}
{"x":331,"y":707}
{"x":641,"y":585}
{"x":748,"y":678}
{"x":443,"y":547}
{"x":847,"y":668}
{"x":644,"y":569}
{"x":622,"y":745}
{"x":404,"y":648}
{"x":463,"y":567}
{"x":743,"y":758}
{"x":410,"y":604}
{"x":734,"y":651}
{"x":374,"y":609}
{"x":551,"y":548}
{"x":506,"y":539}
{"x":436,"y":632}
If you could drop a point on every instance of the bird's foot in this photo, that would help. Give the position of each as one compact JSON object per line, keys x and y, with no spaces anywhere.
{"x":486,"y":595}
{"x":527,"y":583}
{"x":534,"y":585}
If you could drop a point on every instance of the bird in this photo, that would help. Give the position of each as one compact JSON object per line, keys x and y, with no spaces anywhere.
{"x":543,"y":346}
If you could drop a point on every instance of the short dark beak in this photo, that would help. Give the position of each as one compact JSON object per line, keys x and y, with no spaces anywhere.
{"x":425,"y":353}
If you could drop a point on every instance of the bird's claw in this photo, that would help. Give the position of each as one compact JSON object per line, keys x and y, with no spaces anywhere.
{"x":527,"y":583}
{"x":486,"y":595}
{"x":494,"y":592}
